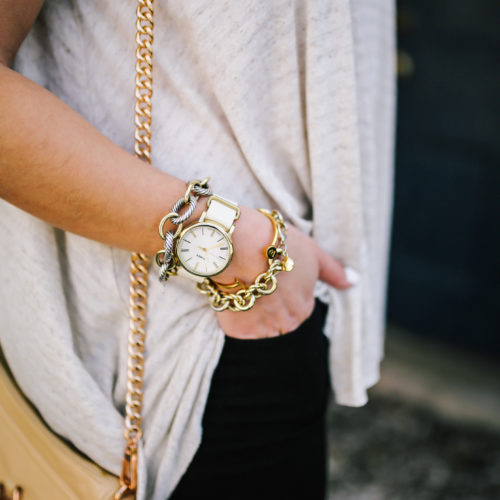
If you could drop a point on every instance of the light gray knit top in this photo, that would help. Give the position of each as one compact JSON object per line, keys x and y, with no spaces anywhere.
{"x":283,"y":103}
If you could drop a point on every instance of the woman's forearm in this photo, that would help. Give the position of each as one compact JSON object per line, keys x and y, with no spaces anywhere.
{"x":58,"y":167}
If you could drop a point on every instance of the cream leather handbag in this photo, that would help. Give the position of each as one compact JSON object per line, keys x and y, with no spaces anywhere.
{"x":37,"y":460}
{"x":35,"y":464}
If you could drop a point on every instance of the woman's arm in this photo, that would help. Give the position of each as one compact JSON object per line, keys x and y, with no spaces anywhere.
{"x":55,"y":165}
{"x":58,"y":167}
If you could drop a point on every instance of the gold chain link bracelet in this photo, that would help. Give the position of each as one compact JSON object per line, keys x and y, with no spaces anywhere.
{"x":265,"y":283}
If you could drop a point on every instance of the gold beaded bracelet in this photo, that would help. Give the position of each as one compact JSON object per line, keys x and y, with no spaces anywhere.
{"x":265,"y":283}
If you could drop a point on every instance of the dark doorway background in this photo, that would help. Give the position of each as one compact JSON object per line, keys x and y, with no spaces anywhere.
{"x":445,"y":264}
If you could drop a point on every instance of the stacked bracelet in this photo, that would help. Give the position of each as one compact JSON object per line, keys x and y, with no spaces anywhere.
{"x":204,"y":249}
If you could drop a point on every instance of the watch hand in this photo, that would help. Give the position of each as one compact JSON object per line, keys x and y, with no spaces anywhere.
{"x":210,"y":254}
{"x":215,"y":246}
{"x":207,"y":253}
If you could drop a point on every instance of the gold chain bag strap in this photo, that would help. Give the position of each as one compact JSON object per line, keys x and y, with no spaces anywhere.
{"x":35,"y":464}
{"x":138,"y":262}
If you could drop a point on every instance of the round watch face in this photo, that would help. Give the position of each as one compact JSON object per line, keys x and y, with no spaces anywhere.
{"x":204,"y":249}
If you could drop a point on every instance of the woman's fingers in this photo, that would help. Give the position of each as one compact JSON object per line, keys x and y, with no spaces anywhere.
{"x":331,"y":271}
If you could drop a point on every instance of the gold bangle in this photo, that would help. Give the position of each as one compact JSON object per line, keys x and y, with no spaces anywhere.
{"x":280,"y":231}
{"x":236,"y":284}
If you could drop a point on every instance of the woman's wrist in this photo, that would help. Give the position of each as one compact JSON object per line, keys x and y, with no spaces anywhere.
{"x":252,"y":235}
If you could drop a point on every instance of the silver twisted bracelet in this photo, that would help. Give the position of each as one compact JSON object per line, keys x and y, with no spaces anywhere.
{"x":164,"y":257}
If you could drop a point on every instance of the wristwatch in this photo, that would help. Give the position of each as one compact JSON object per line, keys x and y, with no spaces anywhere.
{"x":206,"y":248}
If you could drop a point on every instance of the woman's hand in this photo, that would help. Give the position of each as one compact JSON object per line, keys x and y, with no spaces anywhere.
{"x":293,"y":301}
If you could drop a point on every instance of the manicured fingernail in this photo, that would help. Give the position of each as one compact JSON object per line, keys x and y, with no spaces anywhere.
{"x":351,"y":275}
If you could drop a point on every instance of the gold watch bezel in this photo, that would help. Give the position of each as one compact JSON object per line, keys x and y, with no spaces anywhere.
{"x":212,"y":225}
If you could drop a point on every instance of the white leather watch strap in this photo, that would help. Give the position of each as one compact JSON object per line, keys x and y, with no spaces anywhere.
{"x":222,"y":211}
{"x":185,"y":274}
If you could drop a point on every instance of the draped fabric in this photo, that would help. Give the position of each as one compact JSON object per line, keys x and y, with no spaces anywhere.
{"x":284,"y":104}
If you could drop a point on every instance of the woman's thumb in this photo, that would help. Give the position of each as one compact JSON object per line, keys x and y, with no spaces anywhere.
{"x":332,"y":272}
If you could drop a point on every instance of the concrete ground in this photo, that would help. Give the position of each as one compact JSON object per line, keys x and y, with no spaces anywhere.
{"x":431,"y":430}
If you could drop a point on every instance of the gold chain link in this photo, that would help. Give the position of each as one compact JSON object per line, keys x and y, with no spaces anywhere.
{"x":242,"y":300}
{"x":139,"y":262}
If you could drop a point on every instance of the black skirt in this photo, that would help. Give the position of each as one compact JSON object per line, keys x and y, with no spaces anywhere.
{"x":264,"y":422}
